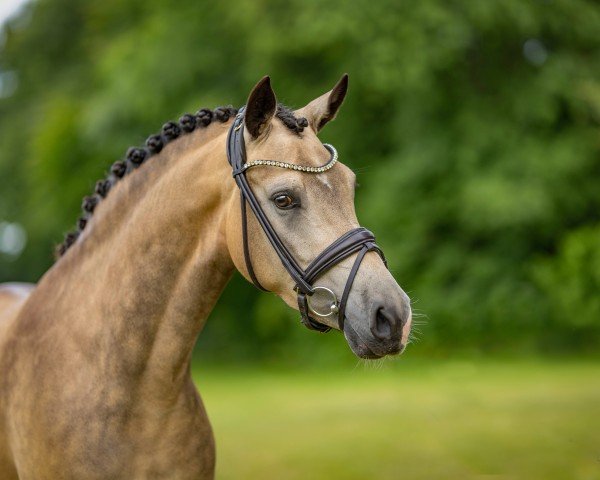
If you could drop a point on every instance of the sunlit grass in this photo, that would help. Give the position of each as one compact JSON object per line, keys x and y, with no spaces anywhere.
{"x":459,"y":419}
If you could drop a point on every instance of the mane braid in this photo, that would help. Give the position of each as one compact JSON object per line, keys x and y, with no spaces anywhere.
{"x":136,"y":156}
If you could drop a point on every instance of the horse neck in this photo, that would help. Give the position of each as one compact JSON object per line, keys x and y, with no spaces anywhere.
{"x":137,"y":287}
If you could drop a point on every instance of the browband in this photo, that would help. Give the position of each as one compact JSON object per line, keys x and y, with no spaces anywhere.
{"x":358,"y":240}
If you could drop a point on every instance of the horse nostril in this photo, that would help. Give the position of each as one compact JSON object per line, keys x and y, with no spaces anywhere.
{"x":383,"y":327}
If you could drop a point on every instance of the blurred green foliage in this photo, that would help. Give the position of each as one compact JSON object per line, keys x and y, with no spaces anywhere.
{"x":472,"y":126}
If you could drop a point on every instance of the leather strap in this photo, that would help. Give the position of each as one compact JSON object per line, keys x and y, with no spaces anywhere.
{"x":305,"y":317}
{"x":236,"y":152}
{"x":367,"y":247}
{"x":343,"y":247}
{"x":247,"y":248}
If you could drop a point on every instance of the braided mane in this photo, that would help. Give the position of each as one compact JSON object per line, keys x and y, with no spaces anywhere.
{"x":135,"y":156}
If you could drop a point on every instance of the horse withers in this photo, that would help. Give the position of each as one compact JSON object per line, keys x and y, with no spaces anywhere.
{"x":95,"y":358}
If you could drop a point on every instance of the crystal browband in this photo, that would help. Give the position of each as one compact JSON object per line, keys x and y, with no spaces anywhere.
{"x":291,"y":166}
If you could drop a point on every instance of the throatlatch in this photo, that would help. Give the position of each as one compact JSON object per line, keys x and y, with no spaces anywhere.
{"x":359,"y":240}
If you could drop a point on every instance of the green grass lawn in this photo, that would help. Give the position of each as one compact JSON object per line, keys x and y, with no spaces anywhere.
{"x":407,"y":419}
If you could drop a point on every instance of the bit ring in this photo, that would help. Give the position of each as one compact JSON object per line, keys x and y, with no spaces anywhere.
{"x":333,"y":304}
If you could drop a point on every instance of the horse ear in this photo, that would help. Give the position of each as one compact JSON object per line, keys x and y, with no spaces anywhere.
{"x":324,"y":109}
{"x":260,"y":107}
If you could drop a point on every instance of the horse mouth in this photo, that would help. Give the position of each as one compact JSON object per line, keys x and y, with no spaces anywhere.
{"x":362,"y":349}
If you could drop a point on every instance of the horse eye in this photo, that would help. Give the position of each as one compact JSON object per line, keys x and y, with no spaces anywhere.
{"x":283,"y":201}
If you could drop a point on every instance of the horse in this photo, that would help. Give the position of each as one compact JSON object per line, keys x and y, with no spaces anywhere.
{"x":95,"y":358}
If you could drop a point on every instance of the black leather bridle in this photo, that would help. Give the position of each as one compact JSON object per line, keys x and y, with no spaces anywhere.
{"x":359,"y":240}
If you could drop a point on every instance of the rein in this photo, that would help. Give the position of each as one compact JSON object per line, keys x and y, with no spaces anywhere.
{"x":356,"y":240}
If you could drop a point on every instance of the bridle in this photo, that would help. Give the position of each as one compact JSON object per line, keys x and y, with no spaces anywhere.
{"x":358,"y":240}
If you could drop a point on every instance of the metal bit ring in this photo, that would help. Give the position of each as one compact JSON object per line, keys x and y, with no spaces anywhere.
{"x":333,"y":304}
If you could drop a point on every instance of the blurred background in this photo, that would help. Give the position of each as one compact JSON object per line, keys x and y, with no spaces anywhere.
{"x":473,"y":128}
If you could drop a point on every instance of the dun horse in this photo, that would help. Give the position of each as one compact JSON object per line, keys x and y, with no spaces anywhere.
{"x":95,"y":359}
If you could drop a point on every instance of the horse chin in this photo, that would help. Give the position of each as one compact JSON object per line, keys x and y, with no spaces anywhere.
{"x":369,"y":350}
{"x":362,"y":350}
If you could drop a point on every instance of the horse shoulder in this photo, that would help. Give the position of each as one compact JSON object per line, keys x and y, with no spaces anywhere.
{"x":12,"y":298}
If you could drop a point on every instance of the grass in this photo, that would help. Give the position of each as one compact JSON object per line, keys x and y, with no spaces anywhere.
{"x":410,"y":420}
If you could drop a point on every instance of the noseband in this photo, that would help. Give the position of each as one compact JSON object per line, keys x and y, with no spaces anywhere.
{"x":359,"y":240}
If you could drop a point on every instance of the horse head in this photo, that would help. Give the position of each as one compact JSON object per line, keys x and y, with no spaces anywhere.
{"x":296,"y":233}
